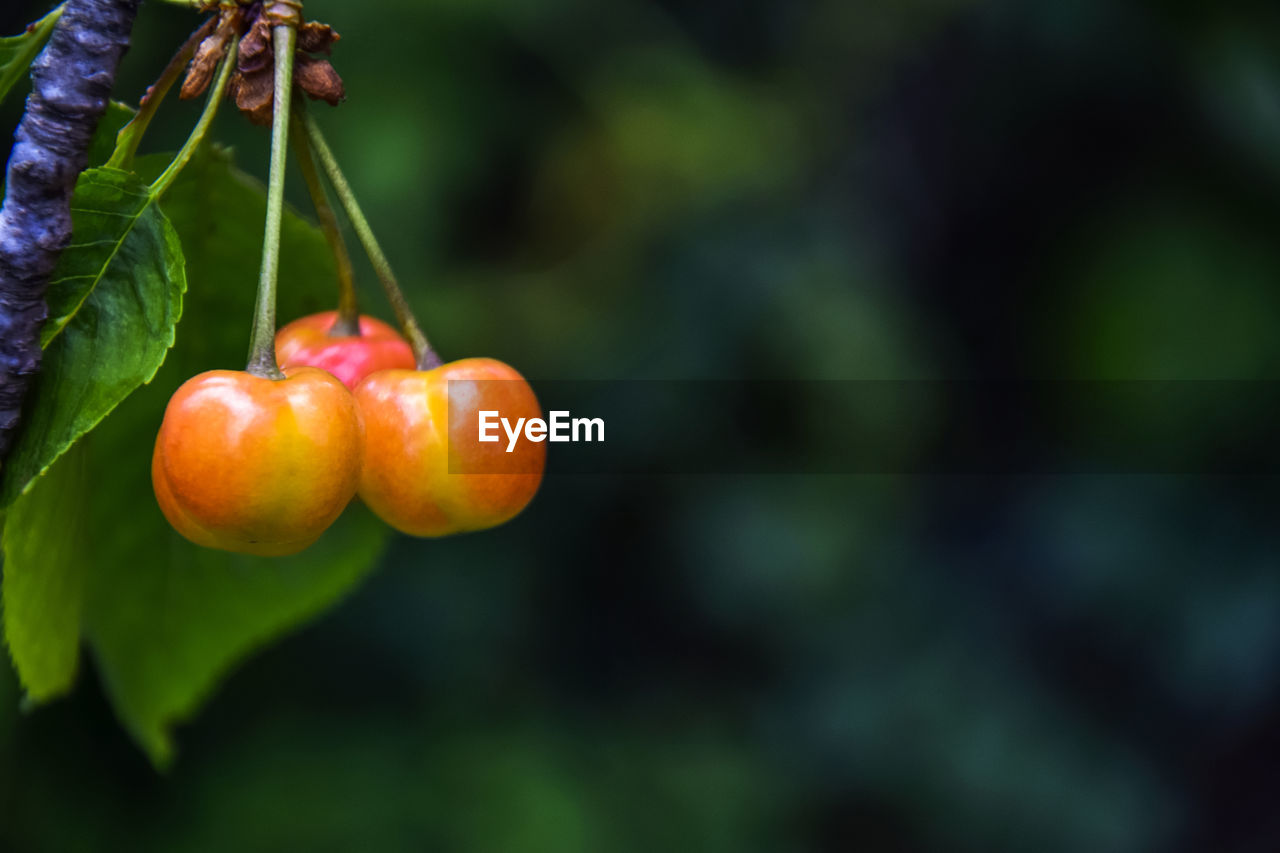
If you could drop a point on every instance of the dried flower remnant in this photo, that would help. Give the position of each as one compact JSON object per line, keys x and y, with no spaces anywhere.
{"x":208,"y":56}
{"x":252,"y":83}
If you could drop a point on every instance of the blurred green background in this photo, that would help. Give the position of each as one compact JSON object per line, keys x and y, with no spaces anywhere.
{"x":817,"y":189}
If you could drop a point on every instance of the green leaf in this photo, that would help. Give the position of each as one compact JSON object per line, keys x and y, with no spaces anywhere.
{"x":43,"y":543}
{"x":166,"y":619}
{"x":18,"y":52}
{"x":44,"y":568}
{"x":114,"y":300}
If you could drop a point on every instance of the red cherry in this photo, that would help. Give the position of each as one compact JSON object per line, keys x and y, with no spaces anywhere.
{"x":307,"y":342}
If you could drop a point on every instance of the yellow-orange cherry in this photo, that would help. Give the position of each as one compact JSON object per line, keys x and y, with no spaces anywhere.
{"x":255,"y":465}
{"x":425,"y":471}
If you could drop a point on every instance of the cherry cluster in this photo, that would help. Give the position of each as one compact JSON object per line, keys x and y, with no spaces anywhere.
{"x":261,"y":465}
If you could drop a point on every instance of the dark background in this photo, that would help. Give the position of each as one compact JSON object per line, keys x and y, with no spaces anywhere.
{"x":772,"y":189}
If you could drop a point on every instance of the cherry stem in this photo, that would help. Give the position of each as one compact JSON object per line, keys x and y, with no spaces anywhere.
{"x":130,"y":136}
{"x":188,"y":150}
{"x":422,"y":350}
{"x":348,"y":322}
{"x":262,"y":342}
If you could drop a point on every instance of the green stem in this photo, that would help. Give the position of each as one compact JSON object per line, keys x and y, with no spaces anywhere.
{"x":262,"y":344}
{"x":348,"y":322}
{"x":198,"y":132}
{"x":426,"y":357}
{"x":129,"y":137}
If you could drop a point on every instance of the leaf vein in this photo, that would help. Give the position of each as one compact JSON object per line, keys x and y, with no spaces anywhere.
{"x":106,"y":264}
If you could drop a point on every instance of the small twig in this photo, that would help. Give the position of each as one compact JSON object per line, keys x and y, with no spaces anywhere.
{"x":198,"y":133}
{"x":130,"y":135}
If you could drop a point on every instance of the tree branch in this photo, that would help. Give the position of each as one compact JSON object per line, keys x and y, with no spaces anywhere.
{"x":71,"y":85}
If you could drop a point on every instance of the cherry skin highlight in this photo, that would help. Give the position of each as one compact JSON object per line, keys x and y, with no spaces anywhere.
{"x":306,"y":341}
{"x":254,"y":465}
{"x":415,"y":436}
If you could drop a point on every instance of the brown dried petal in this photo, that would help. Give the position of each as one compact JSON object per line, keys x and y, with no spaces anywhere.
{"x":255,"y":48}
{"x":252,"y":84}
{"x":254,"y":94}
{"x":194,"y":84}
{"x":203,"y":64}
{"x":315,"y":37}
{"x":317,"y":78}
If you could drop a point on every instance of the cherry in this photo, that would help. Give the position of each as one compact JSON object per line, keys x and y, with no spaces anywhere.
{"x":417,"y":424}
{"x":255,"y":465}
{"x":308,"y":341}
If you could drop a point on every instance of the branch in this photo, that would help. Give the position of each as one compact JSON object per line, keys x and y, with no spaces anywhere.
{"x":71,"y":84}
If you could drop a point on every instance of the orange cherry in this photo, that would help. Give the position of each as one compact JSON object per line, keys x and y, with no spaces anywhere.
{"x":306,"y":341}
{"x":254,"y":465}
{"x":425,"y":472}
